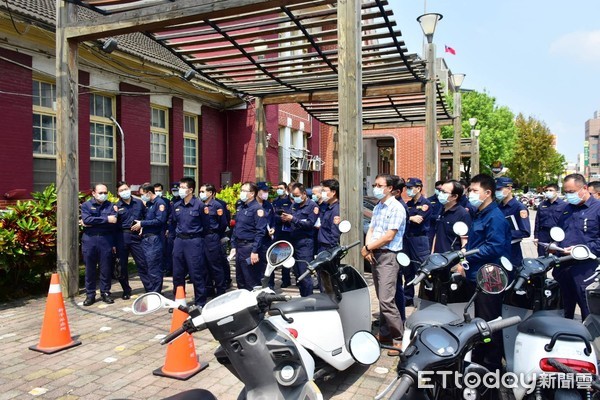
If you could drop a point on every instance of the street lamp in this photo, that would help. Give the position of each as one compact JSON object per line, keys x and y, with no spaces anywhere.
{"x":428,"y":23}
{"x":474,"y":147}
{"x":457,"y":81}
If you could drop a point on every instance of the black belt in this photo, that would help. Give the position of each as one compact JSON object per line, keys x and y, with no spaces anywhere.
{"x":244,"y":241}
{"x":98,"y":234}
{"x":146,"y":235}
{"x":188,"y":236}
{"x":384,"y":251}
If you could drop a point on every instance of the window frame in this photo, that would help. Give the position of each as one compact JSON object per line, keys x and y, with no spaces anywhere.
{"x":158,"y":130}
{"x":187,"y":135}
{"x":38,"y":109}
{"x":104,"y":121}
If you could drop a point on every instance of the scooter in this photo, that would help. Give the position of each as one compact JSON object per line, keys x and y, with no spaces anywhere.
{"x":440,"y":299}
{"x":544,"y":334}
{"x":592,"y":322}
{"x":269,"y":360}
{"x":434,"y":365}
{"x":343,"y":309}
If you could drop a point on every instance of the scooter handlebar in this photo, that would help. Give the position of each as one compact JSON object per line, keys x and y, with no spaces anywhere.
{"x":305,"y":274}
{"x":519,"y":283}
{"x":351,"y":245}
{"x":468,"y":253}
{"x":500,"y":324}
{"x":405,"y":383}
{"x":174,"y":335}
{"x":417,"y":279}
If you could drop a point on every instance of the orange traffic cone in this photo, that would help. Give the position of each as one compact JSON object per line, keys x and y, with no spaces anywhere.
{"x":56,"y":335}
{"x":182,"y":362}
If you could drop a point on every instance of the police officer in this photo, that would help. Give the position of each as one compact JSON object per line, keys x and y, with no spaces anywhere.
{"x":516,"y":214}
{"x":170,"y":230}
{"x":329,"y":232}
{"x":152,"y":229}
{"x":246,"y":241}
{"x":188,"y":246}
{"x":225,"y":238}
{"x":282,"y":204}
{"x":215,"y":223}
{"x":581,"y":222}
{"x":99,"y":220}
{"x":594,"y":189}
{"x":444,"y":238}
{"x":548,"y":213}
{"x":490,"y":233}
{"x":159,"y":191}
{"x":129,"y":209}
{"x":436,"y":209}
{"x":263,"y":200}
{"x":415,"y":239}
{"x":302,"y":220}
{"x":398,"y":185}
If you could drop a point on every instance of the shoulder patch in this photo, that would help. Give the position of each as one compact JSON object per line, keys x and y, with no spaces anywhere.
{"x":219,"y":212}
{"x":260,"y":212}
{"x":316,"y":210}
{"x":337,"y":220}
{"x":523,"y":213}
{"x":425,"y":207}
{"x":161,"y":207}
{"x":205,"y":210}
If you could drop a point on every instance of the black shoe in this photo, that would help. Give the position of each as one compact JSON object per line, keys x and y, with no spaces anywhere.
{"x":126,"y":296}
{"x":409,"y":303}
{"x":89,"y":301}
{"x":107,"y":299}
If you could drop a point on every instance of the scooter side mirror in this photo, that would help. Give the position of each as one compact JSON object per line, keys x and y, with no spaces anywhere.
{"x":403,"y":259}
{"x":279,"y":252}
{"x":364,"y":348}
{"x":557,"y":234}
{"x":506,"y":263}
{"x":151,"y":302}
{"x":460,"y":228}
{"x":580,"y":252}
{"x":345,"y":226}
{"x":289,"y":263}
{"x":492,"y":279}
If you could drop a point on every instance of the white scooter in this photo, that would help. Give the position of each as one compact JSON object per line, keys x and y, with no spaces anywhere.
{"x":544,"y":335}
{"x":323,"y":323}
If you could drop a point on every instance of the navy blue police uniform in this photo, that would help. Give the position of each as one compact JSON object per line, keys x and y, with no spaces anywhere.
{"x":268,"y":239}
{"x":399,"y":298}
{"x":215,"y":223}
{"x":282,"y":231}
{"x":519,"y":212}
{"x":97,"y":243}
{"x":248,"y":234}
{"x":329,"y":231}
{"x":304,"y":217}
{"x":128,"y":241}
{"x":153,"y":229}
{"x":416,"y":240}
{"x":436,"y":210}
{"x":581,"y":224}
{"x":445,"y":238}
{"x":490,"y":233}
{"x":225,"y":238}
{"x":188,"y":247}
{"x":546,"y":218}
{"x":171,"y":231}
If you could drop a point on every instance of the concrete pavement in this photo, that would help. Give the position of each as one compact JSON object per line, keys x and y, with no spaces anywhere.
{"x":120,"y":350}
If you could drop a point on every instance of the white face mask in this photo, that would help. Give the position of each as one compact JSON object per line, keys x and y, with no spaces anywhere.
{"x":183,"y":192}
{"x":264,"y":196}
{"x":158,"y":193}
{"x":550,"y":195}
{"x":324,"y":197}
{"x":125,"y":194}
{"x":102,"y":197}
{"x":244,"y":196}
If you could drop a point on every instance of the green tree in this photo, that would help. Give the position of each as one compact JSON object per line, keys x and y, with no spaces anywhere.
{"x":495,"y":123}
{"x":536,"y":162}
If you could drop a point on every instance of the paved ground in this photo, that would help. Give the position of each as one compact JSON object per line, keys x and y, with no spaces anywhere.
{"x":120,"y":350}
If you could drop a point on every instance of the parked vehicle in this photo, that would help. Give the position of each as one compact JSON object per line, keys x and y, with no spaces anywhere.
{"x":544,"y":333}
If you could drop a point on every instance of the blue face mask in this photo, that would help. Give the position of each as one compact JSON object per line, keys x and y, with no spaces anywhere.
{"x":378,"y":193}
{"x":500,"y":195}
{"x":280,"y":192}
{"x":573,"y":198}
{"x":203,"y":196}
{"x":125,"y":194}
{"x":443,"y":197}
{"x":298,"y":199}
{"x":145,"y":198}
{"x":410,"y":192}
{"x":475,"y":200}
{"x":315,"y":198}
{"x":102,"y":198}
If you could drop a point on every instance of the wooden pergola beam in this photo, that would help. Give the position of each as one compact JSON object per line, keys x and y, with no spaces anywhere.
{"x":163,"y":15}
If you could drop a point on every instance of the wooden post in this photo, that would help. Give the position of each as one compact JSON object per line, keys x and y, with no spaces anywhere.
{"x":431,"y":148}
{"x":350,"y":123}
{"x":456,"y":151}
{"x":67,"y":168}
{"x":336,"y":153}
{"x":261,"y":141}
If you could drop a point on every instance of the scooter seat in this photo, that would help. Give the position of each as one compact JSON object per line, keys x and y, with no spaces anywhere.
{"x":435,"y":314}
{"x":547,"y":325}
{"x":314,"y":302}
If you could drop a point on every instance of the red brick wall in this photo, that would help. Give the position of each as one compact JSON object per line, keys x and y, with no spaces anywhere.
{"x":133,"y":114}
{"x":15,"y":122}
{"x":240,"y":141}
{"x":213,"y":148}
{"x":176,"y":126}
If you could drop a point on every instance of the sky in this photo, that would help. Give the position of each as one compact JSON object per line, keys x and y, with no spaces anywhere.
{"x":539,"y":58}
